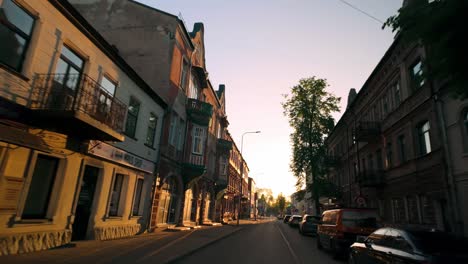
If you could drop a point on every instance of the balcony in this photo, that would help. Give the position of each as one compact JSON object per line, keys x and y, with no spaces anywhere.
{"x":372,"y":179}
{"x":193,"y":167}
{"x":367,"y":131}
{"x":224,"y":146}
{"x":76,"y":104}
{"x":224,"y":121}
{"x":199,"y":112}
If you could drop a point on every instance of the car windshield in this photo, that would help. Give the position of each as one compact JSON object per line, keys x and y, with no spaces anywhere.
{"x":360,"y":219}
{"x":439,"y":242}
{"x":312,"y":219}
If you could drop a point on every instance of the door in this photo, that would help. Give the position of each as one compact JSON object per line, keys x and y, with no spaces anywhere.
{"x":85,"y":202}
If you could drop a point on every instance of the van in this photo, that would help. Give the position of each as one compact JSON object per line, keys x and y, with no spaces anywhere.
{"x":337,"y":229}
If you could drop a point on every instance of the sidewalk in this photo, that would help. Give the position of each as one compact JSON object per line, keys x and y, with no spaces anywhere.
{"x":157,"y":247}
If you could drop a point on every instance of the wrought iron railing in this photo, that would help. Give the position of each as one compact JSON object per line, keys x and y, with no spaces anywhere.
{"x":367,"y":130}
{"x":199,"y":107}
{"x":80,"y":93}
{"x":224,"y":144}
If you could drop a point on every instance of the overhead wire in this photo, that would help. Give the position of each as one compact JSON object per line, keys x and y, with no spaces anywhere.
{"x":361,"y":11}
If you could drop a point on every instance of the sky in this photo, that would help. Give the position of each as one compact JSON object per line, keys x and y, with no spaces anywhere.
{"x":261,"y":48}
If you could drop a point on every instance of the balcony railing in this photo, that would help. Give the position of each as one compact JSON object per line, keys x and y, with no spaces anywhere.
{"x":367,"y":131}
{"x":194,"y":166}
{"x":199,"y":112}
{"x":371,"y":178}
{"x":224,"y":145}
{"x":74,"y":94}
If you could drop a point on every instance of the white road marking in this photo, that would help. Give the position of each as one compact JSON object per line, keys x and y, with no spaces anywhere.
{"x":291,"y":251}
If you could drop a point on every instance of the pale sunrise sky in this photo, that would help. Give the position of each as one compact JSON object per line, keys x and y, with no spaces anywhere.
{"x":261,"y":48}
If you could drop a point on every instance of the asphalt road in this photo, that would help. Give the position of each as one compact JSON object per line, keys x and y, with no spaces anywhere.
{"x":272,"y":242}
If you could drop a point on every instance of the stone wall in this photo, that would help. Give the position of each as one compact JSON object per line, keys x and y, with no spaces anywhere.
{"x":29,"y":242}
{"x":113,"y":232}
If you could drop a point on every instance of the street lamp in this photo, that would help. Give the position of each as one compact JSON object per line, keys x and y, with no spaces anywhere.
{"x":242,"y":172}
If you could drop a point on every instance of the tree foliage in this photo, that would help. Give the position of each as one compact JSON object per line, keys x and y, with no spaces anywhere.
{"x":441,"y":26}
{"x":309,"y":109}
{"x":281,"y":203}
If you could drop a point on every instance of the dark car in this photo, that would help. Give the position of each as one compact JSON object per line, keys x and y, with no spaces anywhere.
{"x":394,"y":245}
{"x":308,"y":225}
{"x":286,"y":218}
{"x":295,"y":220}
{"x":339,"y":228}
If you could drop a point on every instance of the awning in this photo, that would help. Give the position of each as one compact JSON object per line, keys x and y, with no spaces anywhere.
{"x":22,"y":137}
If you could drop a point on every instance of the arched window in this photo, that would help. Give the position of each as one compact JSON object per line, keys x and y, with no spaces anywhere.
{"x":424,"y":138}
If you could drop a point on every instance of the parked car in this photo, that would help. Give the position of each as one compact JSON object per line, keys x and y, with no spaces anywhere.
{"x":339,"y":228}
{"x":286,"y":218}
{"x":394,"y":245}
{"x":308,"y":224}
{"x":294,"y":220}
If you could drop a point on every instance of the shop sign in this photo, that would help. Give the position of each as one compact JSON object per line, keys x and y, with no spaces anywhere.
{"x":114,"y":154}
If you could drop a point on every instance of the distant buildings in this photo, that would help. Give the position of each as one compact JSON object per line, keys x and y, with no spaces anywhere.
{"x":102,"y":137}
{"x":400,"y":146}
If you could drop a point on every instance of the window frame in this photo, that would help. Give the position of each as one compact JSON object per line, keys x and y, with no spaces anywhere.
{"x":184,"y":72}
{"x":28,"y":185}
{"x":137,"y":198}
{"x":131,"y":115}
{"x":200,"y":137}
{"x":389,"y":155}
{"x":151,"y":131}
{"x":117,"y":212}
{"x":425,"y":146}
{"x":417,"y":80}
{"x":401,"y":142}
{"x":12,"y":27}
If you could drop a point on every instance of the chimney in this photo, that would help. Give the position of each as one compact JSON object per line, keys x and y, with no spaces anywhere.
{"x":351,"y":96}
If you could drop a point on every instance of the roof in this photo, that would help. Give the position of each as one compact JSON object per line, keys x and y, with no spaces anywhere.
{"x":181,"y":23}
{"x":82,"y":24}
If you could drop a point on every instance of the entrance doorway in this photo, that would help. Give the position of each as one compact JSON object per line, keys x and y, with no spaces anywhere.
{"x":85,"y":202}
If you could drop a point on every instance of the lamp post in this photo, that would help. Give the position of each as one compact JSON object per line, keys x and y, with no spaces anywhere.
{"x":242,"y":173}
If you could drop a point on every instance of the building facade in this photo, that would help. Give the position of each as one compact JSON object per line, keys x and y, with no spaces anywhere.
{"x":393,"y":149}
{"x":66,"y":96}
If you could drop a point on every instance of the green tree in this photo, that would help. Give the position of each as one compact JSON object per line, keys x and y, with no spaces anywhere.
{"x":440,"y":25}
{"x":280,"y":203}
{"x":309,"y":109}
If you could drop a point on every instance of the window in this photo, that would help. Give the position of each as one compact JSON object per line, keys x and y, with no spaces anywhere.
{"x":370,"y":162}
{"x":37,"y":201}
{"x":401,"y":148}
{"x":427,"y":210}
{"x":398,"y":207}
{"x":137,"y":199}
{"x":397,"y":94}
{"x":198,"y":140}
{"x":416,"y":72}
{"x":413,"y":210}
{"x":106,"y":94}
{"x":151,"y":132}
{"x":424,"y":138}
{"x":385,"y":105}
{"x":180,"y":134}
{"x":389,"y":152}
{"x":69,"y":68}
{"x":173,"y":130}
{"x":132,"y":117}
{"x":15,"y":32}
{"x":115,"y":195}
{"x":193,"y":88}
{"x":378,"y":155}
{"x":219,"y":131}
{"x":183,"y":75}
{"x":223,"y":165}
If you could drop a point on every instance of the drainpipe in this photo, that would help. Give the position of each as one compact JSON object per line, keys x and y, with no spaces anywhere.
{"x":458,"y":227}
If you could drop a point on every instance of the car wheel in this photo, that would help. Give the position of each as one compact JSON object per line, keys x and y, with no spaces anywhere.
{"x":335,"y":252}
{"x":319,"y":245}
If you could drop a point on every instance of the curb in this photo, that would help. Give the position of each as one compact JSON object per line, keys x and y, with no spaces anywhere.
{"x":190,"y":252}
